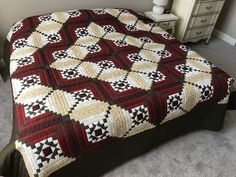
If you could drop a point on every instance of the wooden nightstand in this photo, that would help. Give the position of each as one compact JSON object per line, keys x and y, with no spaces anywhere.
{"x":166,"y":21}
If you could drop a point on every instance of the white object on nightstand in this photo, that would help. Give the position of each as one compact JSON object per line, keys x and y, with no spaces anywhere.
{"x":159,"y":6}
{"x":197,"y":18}
{"x":158,"y":9}
{"x":165,"y":21}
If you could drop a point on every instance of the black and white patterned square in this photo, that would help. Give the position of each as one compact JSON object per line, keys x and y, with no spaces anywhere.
{"x":121,"y":43}
{"x":123,"y":10}
{"x":106,"y":64}
{"x":93,"y":48}
{"x":71,"y":73}
{"x":131,"y":28}
{"x":97,"y":131}
{"x":81,"y":32}
{"x":184,"y":69}
{"x":206,"y":92}
{"x":46,"y":17}
{"x":138,"y":115}
{"x":167,"y":36}
{"x":174,"y":102}
{"x":74,"y":13}
{"x":164,"y":53}
{"x":83,"y":95}
{"x":31,"y":81}
{"x":121,"y":86}
{"x":61,"y":54}
{"x":46,"y":152}
{"x":20,"y":43}
{"x":25,"y":61}
{"x":153,"y":25}
{"x":156,"y":76}
{"x":35,"y":109}
{"x":44,"y":157}
{"x":53,"y":38}
{"x":17,"y":26}
{"x":27,"y":82}
{"x":185,"y":48}
{"x":146,"y":40}
{"x":135,"y":57}
{"x":99,"y":11}
{"x":206,"y":62}
{"x":109,"y":28}
{"x":230,"y":83}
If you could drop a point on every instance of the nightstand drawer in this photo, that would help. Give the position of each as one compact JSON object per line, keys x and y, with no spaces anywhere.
{"x":196,"y":33}
{"x":202,"y":21}
{"x":207,"y":7}
{"x":167,"y":24}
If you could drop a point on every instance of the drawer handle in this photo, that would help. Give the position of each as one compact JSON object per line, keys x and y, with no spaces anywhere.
{"x":198,"y":33}
{"x":166,"y":24}
{"x":204,"y":21}
{"x":209,"y":7}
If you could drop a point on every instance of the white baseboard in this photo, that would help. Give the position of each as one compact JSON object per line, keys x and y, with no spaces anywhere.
{"x":225,"y":37}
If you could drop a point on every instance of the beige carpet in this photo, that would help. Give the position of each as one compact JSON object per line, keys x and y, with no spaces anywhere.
{"x":198,"y":154}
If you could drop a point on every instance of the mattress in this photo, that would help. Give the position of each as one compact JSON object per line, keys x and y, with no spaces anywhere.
{"x":83,"y":79}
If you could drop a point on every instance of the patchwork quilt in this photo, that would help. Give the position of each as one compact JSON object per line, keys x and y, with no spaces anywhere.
{"x":83,"y":78}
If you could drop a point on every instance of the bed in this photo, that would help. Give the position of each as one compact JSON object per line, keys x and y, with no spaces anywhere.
{"x":94,"y":88}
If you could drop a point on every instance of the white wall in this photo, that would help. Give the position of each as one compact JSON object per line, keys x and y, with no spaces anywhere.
{"x":14,"y":10}
{"x":227,"y":20}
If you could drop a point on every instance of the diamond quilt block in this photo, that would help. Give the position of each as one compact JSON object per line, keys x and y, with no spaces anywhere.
{"x":144,"y":67}
{"x":121,"y":85}
{"x":119,"y":125}
{"x":89,"y":69}
{"x":156,"y":76}
{"x":65,"y":64}
{"x":174,"y":106}
{"x":97,"y":131}
{"x":35,"y":109}
{"x":60,"y":102}
{"x":140,"y":120}
{"x":98,"y":110}
{"x":113,"y":75}
{"x":139,"y":80}
{"x":149,"y":56}
{"x":32,"y":94}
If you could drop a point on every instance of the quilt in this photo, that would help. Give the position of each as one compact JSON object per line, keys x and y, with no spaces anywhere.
{"x":83,"y":78}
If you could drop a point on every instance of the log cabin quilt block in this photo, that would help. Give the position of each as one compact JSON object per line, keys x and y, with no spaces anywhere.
{"x":83,"y":78}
